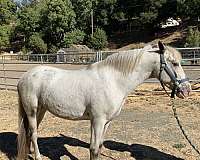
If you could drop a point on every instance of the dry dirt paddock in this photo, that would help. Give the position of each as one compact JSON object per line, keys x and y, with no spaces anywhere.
{"x":145,"y":130}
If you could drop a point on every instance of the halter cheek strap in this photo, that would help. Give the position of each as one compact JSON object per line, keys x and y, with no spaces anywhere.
{"x":172,"y":74}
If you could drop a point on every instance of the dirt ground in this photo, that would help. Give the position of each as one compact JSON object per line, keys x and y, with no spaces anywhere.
{"x":145,"y":130}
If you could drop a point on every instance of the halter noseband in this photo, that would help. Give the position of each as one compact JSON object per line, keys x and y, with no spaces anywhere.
{"x":171,"y":73}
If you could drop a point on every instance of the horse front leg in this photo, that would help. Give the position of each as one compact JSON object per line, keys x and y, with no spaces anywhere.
{"x":97,"y":130}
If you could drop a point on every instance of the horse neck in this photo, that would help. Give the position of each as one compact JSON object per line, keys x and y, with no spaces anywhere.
{"x":144,"y":69}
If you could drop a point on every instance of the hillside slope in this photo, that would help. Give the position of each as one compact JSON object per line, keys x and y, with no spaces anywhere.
{"x":176,"y":39}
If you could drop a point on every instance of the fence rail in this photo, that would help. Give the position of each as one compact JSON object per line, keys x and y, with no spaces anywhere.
{"x":191,"y":55}
{"x":13,"y":66}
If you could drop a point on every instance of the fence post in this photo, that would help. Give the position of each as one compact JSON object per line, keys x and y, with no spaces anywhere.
{"x":4,"y":72}
{"x":101,"y":56}
{"x":42,"y":59}
{"x":96,"y":59}
{"x":98,"y":56}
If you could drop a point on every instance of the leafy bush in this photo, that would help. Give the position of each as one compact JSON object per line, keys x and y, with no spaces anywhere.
{"x":193,"y":38}
{"x":52,"y":49}
{"x":36,"y":44}
{"x":99,"y":39}
{"x":74,"y":37}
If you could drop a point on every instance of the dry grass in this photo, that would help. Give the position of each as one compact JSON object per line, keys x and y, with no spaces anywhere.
{"x":145,"y":130}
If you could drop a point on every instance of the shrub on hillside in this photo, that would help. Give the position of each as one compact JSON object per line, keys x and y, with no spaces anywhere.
{"x":74,"y":37}
{"x":36,"y":44}
{"x":193,"y":38}
{"x":99,"y":39}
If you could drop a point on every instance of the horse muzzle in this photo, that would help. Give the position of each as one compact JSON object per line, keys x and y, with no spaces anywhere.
{"x":183,"y":91}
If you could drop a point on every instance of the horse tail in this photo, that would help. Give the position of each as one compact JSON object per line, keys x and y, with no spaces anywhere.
{"x":23,"y":126}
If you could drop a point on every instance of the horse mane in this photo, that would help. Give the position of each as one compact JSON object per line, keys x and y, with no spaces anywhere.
{"x":126,"y":61}
{"x":123,"y":61}
{"x":174,"y":52}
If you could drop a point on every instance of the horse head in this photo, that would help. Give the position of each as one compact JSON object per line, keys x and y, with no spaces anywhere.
{"x":171,"y":73}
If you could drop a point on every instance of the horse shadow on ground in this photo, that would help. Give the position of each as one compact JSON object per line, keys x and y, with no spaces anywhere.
{"x":53,"y":148}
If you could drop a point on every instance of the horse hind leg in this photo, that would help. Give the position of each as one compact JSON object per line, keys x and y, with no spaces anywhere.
{"x":33,"y":131}
{"x":31,"y":112}
{"x":40,"y":115}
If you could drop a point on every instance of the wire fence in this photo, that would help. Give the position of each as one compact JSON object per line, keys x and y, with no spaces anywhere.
{"x":12,"y":66}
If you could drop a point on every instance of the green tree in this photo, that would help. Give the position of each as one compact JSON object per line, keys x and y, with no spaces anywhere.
{"x":74,"y":37}
{"x":189,"y":8}
{"x":83,"y":9}
{"x":36,"y":44}
{"x":58,"y":19}
{"x":168,"y":9}
{"x":29,"y":21}
{"x":7,"y":11}
{"x":99,"y":40}
{"x":5,"y":34}
{"x":52,"y":18}
{"x":193,"y":38}
{"x":105,"y":11}
{"x":7,"y":22}
{"x":52,"y":49}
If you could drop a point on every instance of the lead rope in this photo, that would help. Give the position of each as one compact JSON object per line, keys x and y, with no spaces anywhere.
{"x":181,"y":127}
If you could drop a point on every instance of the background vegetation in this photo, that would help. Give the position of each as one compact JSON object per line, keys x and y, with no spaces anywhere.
{"x":44,"y":26}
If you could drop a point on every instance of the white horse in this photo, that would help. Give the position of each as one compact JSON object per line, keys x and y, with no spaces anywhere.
{"x":96,"y":92}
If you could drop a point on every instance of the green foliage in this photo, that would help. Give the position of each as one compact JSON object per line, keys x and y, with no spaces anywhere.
{"x":5,"y":33}
{"x":7,"y":17}
{"x":193,"y":38}
{"x":148,"y":17}
{"x":58,"y":18}
{"x":73,"y":37}
{"x":168,"y":9}
{"x":7,"y":11}
{"x":52,"y":18}
{"x":141,"y":9}
{"x":189,"y":8}
{"x":83,"y":10}
{"x":36,"y":44}
{"x":105,"y":12}
{"x":65,"y":22}
{"x":52,"y":49}
{"x":29,"y":21}
{"x":98,"y":40}
{"x":24,"y":50}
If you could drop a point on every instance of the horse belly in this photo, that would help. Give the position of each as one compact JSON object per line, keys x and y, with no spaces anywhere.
{"x":66,"y":111}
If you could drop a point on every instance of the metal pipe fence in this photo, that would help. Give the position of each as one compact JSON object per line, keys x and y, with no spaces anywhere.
{"x":190,"y":56}
{"x":13,"y":66}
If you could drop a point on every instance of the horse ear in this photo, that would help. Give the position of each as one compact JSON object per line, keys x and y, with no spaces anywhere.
{"x":161,"y":47}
